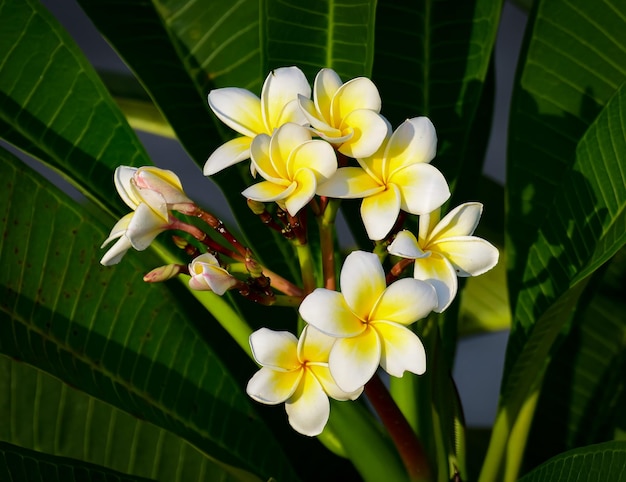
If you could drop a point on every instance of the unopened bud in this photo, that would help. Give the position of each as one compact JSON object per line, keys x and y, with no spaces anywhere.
{"x":163,"y":273}
{"x":256,"y":207}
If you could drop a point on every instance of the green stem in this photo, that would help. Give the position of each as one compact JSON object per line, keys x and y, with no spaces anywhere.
{"x":327,"y":238}
{"x":305,"y":259}
{"x":408,"y":446}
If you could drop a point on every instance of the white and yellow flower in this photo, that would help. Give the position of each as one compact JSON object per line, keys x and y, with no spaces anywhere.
{"x":398,"y":176}
{"x":250,"y":115}
{"x":207,"y":275}
{"x":346,"y":115}
{"x":292,"y":164}
{"x":445,"y":249}
{"x":149,"y":192}
{"x":370,"y":321}
{"x":296,"y":372}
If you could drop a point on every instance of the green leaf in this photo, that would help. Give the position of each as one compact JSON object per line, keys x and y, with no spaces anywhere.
{"x":47,"y":415}
{"x":106,"y":332}
{"x":53,"y":105}
{"x":595,"y":463}
{"x":574,"y":60}
{"x":432,"y":58}
{"x":18,"y":464}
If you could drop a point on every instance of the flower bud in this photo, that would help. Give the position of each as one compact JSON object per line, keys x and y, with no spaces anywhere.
{"x":207,"y":275}
{"x":163,"y":273}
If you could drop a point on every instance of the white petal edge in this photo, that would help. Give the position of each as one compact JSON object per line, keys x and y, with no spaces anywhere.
{"x":405,"y":245}
{"x":461,"y":221}
{"x":272,"y":387}
{"x":438,"y":271}
{"x":280,"y":91}
{"x":362,"y":281}
{"x":405,"y":301}
{"x":239,"y":109}
{"x":353,"y":361}
{"x":308,"y":408}
{"x":422,"y":186}
{"x":228,"y":154}
{"x":327,"y":311}
{"x":380,"y":211}
{"x":402,"y":350}
{"x":275,"y":349}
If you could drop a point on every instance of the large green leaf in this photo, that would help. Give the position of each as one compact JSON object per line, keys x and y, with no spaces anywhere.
{"x":432,"y":58}
{"x":583,"y":227}
{"x":53,"y":105}
{"x":47,"y":415}
{"x":573,"y":61}
{"x":595,"y":463}
{"x":21,"y":465}
{"x":105,"y":331}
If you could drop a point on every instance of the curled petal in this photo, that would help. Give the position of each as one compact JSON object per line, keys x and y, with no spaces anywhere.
{"x":119,"y":229}
{"x":470,"y":255}
{"x":322,"y":373}
{"x":117,"y":251}
{"x":275,"y":349}
{"x":325,"y":86}
{"x":261,"y":158}
{"x":327,"y":311}
{"x":349,"y":183}
{"x":359,"y":93}
{"x":316,"y":155}
{"x":362,"y":281}
{"x":278,"y":97}
{"x":266,"y":191}
{"x":461,"y":221}
{"x":438,"y":271}
{"x":308,"y":408}
{"x":422,"y":186}
{"x":122,"y":180}
{"x":144,"y":226}
{"x":239,"y":109}
{"x":206,"y":274}
{"x":380,"y":212}
{"x":405,"y":301}
{"x":414,"y":141}
{"x":313,"y":116}
{"x":305,"y":190}
{"x":369,"y":130}
{"x":353,"y":361}
{"x":273,"y":387}
{"x":284,"y":141}
{"x":161,"y":181}
{"x":228,"y":154}
{"x":402,"y":350}
{"x":405,"y":245}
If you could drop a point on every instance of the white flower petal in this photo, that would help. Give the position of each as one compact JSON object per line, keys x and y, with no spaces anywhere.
{"x":273,"y":387}
{"x":402,"y":350}
{"x":414,"y":141}
{"x":314,"y":345}
{"x":359,"y":93}
{"x":316,"y":155}
{"x":314,"y":117}
{"x":308,"y":408}
{"x":422,"y":186}
{"x":267,"y":191}
{"x":349,"y":183}
{"x":369,"y":130}
{"x":306,"y":184}
{"x":116,"y":252}
{"x":325,"y":86}
{"x":239,"y":109}
{"x":279,"y":95}
{"x":362,"y":281}
{"x":119,"y":229}
{"x":353,"y":361}
{"x":470,"y":255}
{"x":405,"y":301}
{"x":228,"y":154}
{"x":461,"y":221}
{"x":327,"y":311}
{"x":438,"y":271}
{"x":323,"y":375}
{"x":284,"y":141}
{"x":380,"y":212}
{"x":275,"y":349}
{"x":121,"y":178}
{"x":405,"y":245}
{"x":144,"y":226}
{"x":261,"y":160}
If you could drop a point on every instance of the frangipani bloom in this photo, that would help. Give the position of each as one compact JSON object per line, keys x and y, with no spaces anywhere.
{"x":296,"y":372}
{"x":207,"y":275}
{"x":346,"y":115}
{"x":445,"y":249}
{"x":398,"y":176}
{"x":293,"y":165}
{"x":150,"y":192}
{"x":245,"y":113}
{"x":370,"y":321}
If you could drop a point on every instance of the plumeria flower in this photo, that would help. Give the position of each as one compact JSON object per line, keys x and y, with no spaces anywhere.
{"x":346,"y":115}
{"x":398,"y":176}
{"x":370,"y":321}
{"x":296,"y":372}
{"x":150,"y":192}
{"x":292,"y":164}
{"x":445,"y":249}
{"x":245,"y":113}
{"x":207,"y":275}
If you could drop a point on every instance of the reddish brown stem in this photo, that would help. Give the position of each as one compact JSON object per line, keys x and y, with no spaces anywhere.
{"x":405,"y":440}
{"x":397,"y":269}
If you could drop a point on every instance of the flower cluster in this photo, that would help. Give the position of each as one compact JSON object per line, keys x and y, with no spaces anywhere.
{"x":313,"y":147}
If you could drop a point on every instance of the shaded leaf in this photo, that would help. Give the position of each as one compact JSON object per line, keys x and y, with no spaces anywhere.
{"x":106,"y":332}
